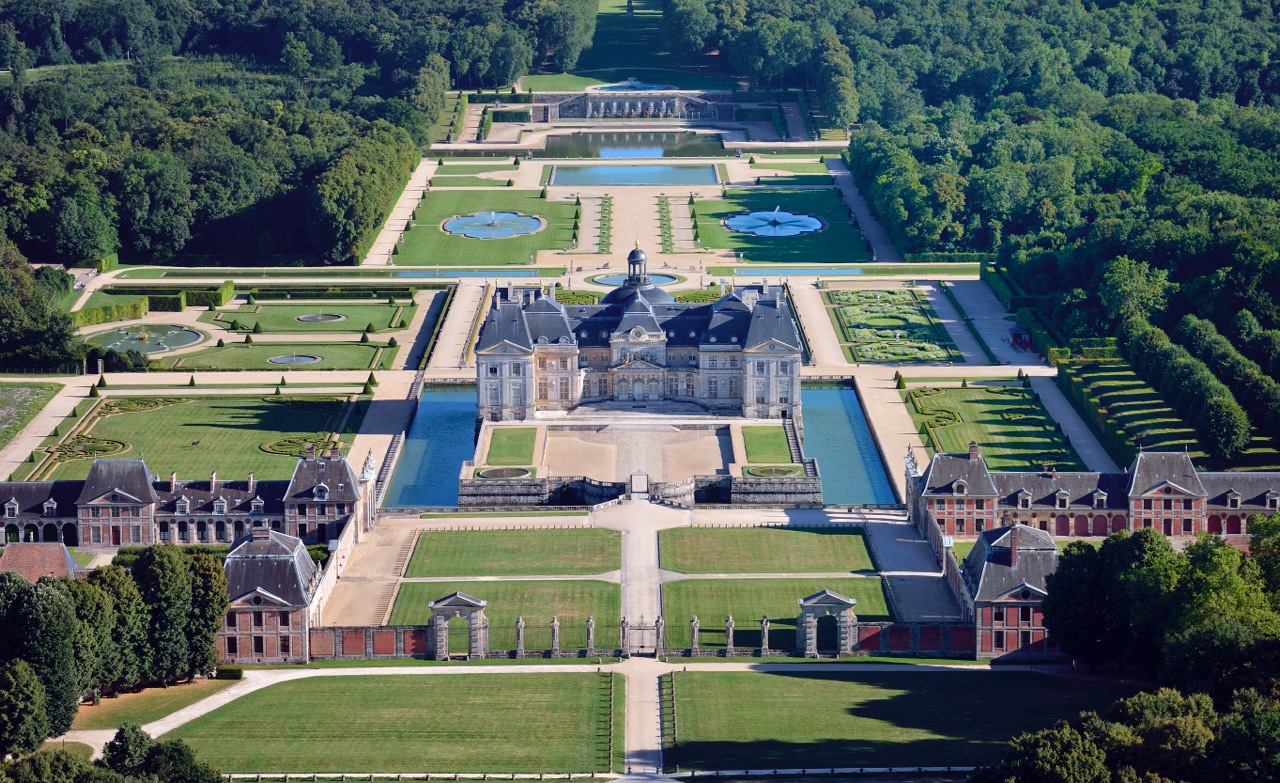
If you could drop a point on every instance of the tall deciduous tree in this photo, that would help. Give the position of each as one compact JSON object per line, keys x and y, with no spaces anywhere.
{"x":45,"y":627}
{"x":129,"y":631}
{"x":1132,"y":288}
{"x":209,"y":603}
{"x":23,"y":723}
{"x":1076,"y":607}
{"x":163,"y":575}
{"x":155,"y":203}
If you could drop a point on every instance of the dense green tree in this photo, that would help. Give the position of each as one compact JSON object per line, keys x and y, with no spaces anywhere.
{"x":127,"y":751}
{"x":1059,"y":754}
{"x":45,"y":626}
{"x":1077,"y":613}
{"x":173,"y":761}
{"x":95,"y":653}
{"x":689,"y":27}
{"x":209,"y":604}
{"x":23,"y":723}
{"x":1248,"y":748}
{"x":295,"y":56}
{"x":131,"y":659}
{"x":155,"y":204}
{"x":1132,"y":288}
{"x":1264,"y":550}
{"x":163,"y":575}
{"x":82,"y":231}
{"x":428,"y":93}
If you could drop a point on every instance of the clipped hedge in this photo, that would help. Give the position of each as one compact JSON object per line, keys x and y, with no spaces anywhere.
{"x":230,"y":673}
{"x":334,"y":292}
{"x":520,"y":97}
{"x":108,"y":313}
{"x":949,"y":258}
{"x":167,"y":304}
{"x":511,"y":115}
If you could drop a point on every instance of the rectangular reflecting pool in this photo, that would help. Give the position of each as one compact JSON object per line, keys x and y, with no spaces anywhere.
{"x":836,"y":434}
{"x":634,"y":175}
{"x":441,"y":437}
{"x":633,"y":144}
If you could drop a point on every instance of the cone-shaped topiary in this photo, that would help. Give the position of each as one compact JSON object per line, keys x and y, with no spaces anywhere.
{"x":371,"y":381}
{"x":102,"y":381}
{"x":221,"y":344}
{"x":192,"y":381}
{"x":252,"y":300}
{"x":257,"y":327}
{"x":364,"y":337}
{"x":277,"y":391}
{"x":93,"y":391}
{"x":248,"y":339}
{"x":964,"y":383}
{"x":901,"y":383}
{"x":392,"y":343}
{"x":284,"y":381}
{"x":368,"y":389}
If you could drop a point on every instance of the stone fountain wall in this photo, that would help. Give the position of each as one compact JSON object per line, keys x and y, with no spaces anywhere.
{"x":648,"y":104}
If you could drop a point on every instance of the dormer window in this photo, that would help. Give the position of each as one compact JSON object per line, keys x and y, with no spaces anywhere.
{"x":322,"y":492}
{"x":1024,"y":499}
{"x":11,"y":508}
{"x":1273,"y":499}
{"x":1099,"y":500}
{"x":1063,"y":499}
{"x":256,"y":506}
{"x":1233,"y":499}
{"x":220,"y":506}
{"x":961,"y":487}
{"x":182,"y":506}
{"x":50,"y":508}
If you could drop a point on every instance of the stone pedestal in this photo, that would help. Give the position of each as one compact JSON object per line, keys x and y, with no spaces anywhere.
{"x":693,"y":635}
{"x":764,"y":637}
{"x":555,"y":637}
{"x":728,"y":636}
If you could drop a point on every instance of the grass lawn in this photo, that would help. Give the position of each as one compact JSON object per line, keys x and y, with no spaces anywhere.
{"x":763,"y":550}
{"x":1139,"y":410}
{"x":888,"y":326}
{"x":276,"y":318}
{"x":511,"y":445}
{"x":536,"y":601}
{"x":712,"y":600}
{"x":838,"y":242}
{"x":77,"y":749}
{"x":766,"y":444}
{"x":103,"y":299}
{"x":463,"y":181}
{"x":459,"y":723}
{"x":241,"y":356}
{"x":516,"y":552}
{"x":1013,"y":429}
{"x":146,"y":706}
{"x":576,"y":82}
{"x":849,"y":719}
{"x":426,"y":244}
{"x":217,"y":433}
{"x":471,"y":169}
{"x":875,"y":270}
{"x":21,"y":403}
{"x":795,"y":167}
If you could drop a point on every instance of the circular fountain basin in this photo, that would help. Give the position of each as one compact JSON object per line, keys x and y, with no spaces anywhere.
{"x":616,"y":280}
{"x":493,"y":225}
{"x":503,"y":473}
{"x":778,"y":223}
{"x":146,"y":339}
{"x":320,"y":318}
{"x":294,"y":359}
{"x":631,"y":85}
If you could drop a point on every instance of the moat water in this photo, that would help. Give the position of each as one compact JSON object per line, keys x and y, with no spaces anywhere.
{"x":634,"y":175}
{"x":634,"y":144}
{"x":443,"y":435}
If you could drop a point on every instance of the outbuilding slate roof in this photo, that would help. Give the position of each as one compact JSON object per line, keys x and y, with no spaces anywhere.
{"x":1152,"y":468}
{"x":32,"y":495}
{"x":945,"y":470}
{"x":991,"y":572}
{"x":131,"y":477}
{"x":272,"y":563}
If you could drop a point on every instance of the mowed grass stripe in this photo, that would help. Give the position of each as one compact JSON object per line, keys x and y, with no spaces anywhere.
{"x":445,"y":723}
{"x":849,"y":719}
{"x":766,"y":444}
{"x":516,"y":552}
{"x":763,"y":550}
{"x":427,"y":244}
{"x":511,"y":445}
{"x":712,"y":600}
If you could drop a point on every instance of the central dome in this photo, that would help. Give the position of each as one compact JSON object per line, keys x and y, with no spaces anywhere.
{"x":638,"y":283}
{"x":637,"y":256}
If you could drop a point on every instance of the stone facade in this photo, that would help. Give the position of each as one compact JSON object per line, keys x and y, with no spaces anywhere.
{"x":740,"y":355}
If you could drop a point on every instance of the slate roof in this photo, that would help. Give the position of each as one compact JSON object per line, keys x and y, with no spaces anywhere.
{"x":729,"y":323}
{"x":1150,"y":469}
{"x":1082,"y":488}
{"x":32,"y":561}
{"x":988,"y":572}
{"x":32,"y":495}
{"x":333,"y":472}
{"x":236,"y":493}
{"x":273,"y":563}
{"x":129,"y":476}
{"x":1254,"y":489}
{"x":946,"y":469}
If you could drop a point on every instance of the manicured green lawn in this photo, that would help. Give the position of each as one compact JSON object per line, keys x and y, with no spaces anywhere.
{"x":463,"y":181}
{"x":1139,"y":409}
{"x":763,"y":550}
{"x":103,"y":299}
{"x":536,"y":601}
{"x":281,"y":318}
{"x":450,"y":169}
{"x":766,"y":444}
{"x":516,"y":552}
{"x":257,"y":356}
{"x":556,"y":722}
{"x":712,"y":600}
{"x":838,"y":242}
{"x":814,"y":719}
{"x":795,"y":167}
{"x":147,"y":705}
{"x":20,"y":404}
{"x":511,"y":445}
{"x":426,"y":244}
{"x":215,"y":433}
{"x":893,"y":325}
{"x":1013,"y":429}
{"x":77,"y":749}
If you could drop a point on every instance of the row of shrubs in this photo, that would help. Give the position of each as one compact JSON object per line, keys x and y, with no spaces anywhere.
{"x":1114,"y":439}
{"x":168,"y":299}
{"x":1258,"y":392}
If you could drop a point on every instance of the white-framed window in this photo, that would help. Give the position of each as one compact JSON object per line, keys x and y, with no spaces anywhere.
{"x":11,"y":509}
{"x":257,"y":505}
{"x":220,"y":506}
{"x":182,"y":506}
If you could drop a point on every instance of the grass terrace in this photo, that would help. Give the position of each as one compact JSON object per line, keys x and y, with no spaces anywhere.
{"x":193,"y":436}
{"x":536,"y":601}
{"x":427,"y":244}
{"x":515,"y":553}
{"x":462,"y":181}
{"x":145,"y":706}
{"x":1008,"y":422}
{"x":284,"y":318}
{"x":818,"y":719}
{"x":766,"y":444}
{"x":258,"y":356}
{"x":556,"y":722}
{"x":511,"y":445}
{"x":895,"y":325}
{"x":21,"y":403}
{"x":764,"y":550}
{"x":792,"y":166}
{"x":1137,"y":408}
{"x":839,"y":241}
{"x":712,"y":600}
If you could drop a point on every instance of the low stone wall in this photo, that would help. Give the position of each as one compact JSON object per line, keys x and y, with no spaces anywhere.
{"x":893,"y":640}
{"x":780,"y":491}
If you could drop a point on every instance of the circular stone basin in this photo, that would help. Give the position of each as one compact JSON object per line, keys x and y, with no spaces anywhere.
{"x":146,"y":339}
{"x":774,"y":471}
{"x":504,"y":473}
{"x":620,"y":279}
{"x":493,"y":225}
{"x":320,"y":318}
{"x":778,"y":223}
{"x":295,"y":358}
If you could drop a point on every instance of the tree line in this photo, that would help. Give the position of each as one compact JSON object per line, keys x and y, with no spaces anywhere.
{"x":64,"y":640}
{"x":131,"y":756}
{"x":1205,"y":622}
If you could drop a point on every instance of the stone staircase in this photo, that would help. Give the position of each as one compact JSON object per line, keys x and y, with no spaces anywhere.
{"x":793,"y":441}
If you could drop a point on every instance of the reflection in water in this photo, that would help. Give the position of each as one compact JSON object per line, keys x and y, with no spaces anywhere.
{"x":634,"y":175}
{"x":442,"y":436}
{"x":634,"y":144}
{"x":838,"y":437}
{"x":774,"y":224}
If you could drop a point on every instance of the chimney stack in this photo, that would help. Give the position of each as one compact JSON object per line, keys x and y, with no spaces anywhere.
{"x":260,"y":531}
{"x":213,"y":481}
{"x":973,"y":449}
{"x":252,"y":484}
{"x":310,"y":452}
{"x":173,"y":481}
